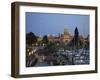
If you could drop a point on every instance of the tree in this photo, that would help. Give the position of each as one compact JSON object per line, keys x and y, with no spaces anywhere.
{"x":76,"y":41}
{"x":51,"y":47}
{"x":76,"y":33}
{"x":76,"y":37}
{"x":31,"y":38}
{"x":45,"y":39}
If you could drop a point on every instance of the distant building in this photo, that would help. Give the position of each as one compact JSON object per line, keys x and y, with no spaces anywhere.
{"x":50,"y":38}
{"x":83,"y":39}
{"x":66,"y":35}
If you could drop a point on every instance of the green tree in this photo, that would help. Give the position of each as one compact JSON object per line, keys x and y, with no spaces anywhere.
{"x":76,"y":33}
{"x":51,"y":47}
{"x":31,"y":38}
{"x":45,"y":39}
{"x":76,"y":37}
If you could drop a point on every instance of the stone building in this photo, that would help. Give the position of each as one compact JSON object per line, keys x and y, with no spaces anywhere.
{"x":66,"y":35}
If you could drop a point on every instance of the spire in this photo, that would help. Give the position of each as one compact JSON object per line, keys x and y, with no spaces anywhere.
{"x":76,"y":33}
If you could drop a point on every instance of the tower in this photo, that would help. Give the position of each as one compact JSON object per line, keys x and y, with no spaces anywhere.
{"x":66,"y":35}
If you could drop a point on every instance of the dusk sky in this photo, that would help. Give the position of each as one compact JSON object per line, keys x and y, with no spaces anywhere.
{"x":50,"y":23}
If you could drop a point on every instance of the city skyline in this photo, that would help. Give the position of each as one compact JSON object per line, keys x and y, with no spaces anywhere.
{"x":47,"y":23}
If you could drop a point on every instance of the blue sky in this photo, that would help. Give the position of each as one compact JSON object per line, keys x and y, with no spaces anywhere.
{"x":50,"y":23}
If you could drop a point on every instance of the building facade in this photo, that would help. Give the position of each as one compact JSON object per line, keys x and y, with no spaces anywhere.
{"x":65,"y":37}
